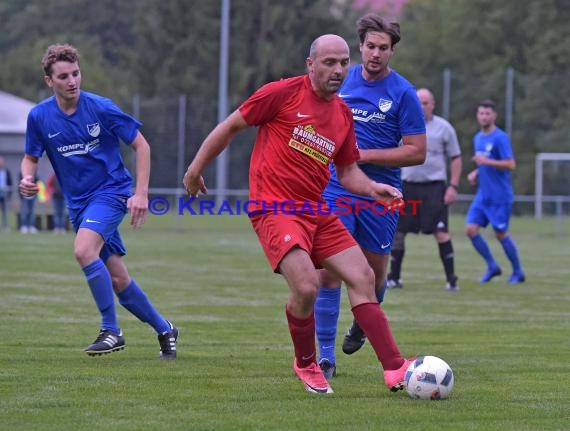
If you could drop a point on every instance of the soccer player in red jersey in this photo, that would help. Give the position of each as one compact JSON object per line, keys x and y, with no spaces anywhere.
{"x":302,"y":126}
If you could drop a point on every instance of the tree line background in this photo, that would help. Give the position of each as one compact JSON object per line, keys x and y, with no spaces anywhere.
{"x":159,"y":50}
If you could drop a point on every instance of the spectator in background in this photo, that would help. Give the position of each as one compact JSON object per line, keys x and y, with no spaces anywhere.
{"x":58,"y":204}
{"x":5,"y":193}
{"x":28,"y":210}
{"x":493,"y":202}
{"x":428,"y":184}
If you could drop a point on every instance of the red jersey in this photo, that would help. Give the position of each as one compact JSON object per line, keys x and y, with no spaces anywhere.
{"x":299,"y":134}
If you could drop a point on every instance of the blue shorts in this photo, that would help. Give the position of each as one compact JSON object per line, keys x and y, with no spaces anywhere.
{"x":103,"y":214}
{"x":373,"y":227}
{"x":498,"y":215}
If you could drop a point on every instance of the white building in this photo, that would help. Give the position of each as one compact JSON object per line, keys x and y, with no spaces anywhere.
{"x":13,"y":119}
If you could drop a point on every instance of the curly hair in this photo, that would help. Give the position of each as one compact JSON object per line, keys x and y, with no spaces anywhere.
{"x":59,"y":52}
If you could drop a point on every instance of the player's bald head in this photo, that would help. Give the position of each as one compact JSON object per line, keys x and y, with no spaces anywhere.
{"x":327,"y":43}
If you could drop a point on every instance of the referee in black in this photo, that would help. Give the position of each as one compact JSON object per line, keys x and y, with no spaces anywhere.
{"x":428,"y":183}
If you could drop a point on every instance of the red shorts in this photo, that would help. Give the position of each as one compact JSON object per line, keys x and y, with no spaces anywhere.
{"x":321,"y":236}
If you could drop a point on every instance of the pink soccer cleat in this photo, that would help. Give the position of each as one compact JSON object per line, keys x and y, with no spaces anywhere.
{"x":395,"y":379}
{"x":313,"y":378}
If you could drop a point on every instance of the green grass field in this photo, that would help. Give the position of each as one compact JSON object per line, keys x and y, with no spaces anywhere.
{"x":508,"y":345}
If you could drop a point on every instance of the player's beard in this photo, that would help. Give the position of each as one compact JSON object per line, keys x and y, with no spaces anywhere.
{"x":334,"y":83}
{"x":376,"y":70}
{"x":334,"y":86}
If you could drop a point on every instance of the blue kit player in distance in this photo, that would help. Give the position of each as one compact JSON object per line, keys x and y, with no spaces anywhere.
{"x":391,"y":133}
{"x":493,"y":202}
{"x":80,"y":133}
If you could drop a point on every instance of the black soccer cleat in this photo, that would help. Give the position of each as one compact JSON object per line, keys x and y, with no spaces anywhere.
{"x":451,"y":285}
{"x":328,"y":368}
{"x":106,"y":342}
{"x":354,"y":339}
{"x":167,"y":343}
{"x":393,"y":283}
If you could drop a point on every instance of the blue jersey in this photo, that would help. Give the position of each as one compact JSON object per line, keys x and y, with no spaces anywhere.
{"x":383,"y":112}
{"x":84,"y":147}
{"x":494,"y":184}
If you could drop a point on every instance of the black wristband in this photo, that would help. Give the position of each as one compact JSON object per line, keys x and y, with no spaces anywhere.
{"x":455,"y":186}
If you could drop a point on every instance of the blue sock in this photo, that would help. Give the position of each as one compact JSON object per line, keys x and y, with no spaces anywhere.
{"x":327,"y":308}
{"x":99,"y":281}
{"x":512,"y":253}
{"x":483,"y":249}
{"x":135,"y":300}
{"x":381,"y":292}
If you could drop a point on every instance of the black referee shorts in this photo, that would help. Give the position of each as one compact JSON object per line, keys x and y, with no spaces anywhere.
{"x":431,"y":214}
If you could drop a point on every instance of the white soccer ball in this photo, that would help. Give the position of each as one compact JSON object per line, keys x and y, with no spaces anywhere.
{"x":429,"y":378}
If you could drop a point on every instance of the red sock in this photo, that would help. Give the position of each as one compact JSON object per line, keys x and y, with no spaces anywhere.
{"x":375,"y":325}
{"x":303,"y":336}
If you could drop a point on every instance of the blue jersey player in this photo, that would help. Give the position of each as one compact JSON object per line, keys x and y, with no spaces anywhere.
{"x":493,"y":201}
{"x":391,"y":133}
{"x":81,"y":132}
